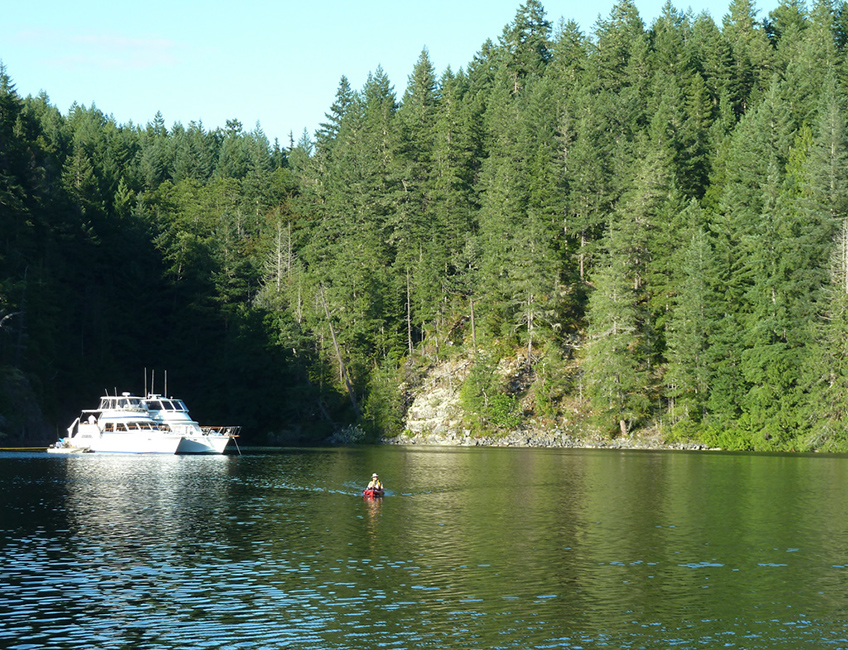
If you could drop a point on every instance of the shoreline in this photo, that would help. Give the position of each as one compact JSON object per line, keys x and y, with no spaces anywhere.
{"x":541,"y":440}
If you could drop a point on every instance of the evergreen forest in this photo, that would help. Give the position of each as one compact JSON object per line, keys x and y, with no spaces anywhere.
{"x":647,"y":222}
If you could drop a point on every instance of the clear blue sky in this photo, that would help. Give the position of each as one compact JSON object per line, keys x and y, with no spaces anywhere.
{"x":274,"y":62}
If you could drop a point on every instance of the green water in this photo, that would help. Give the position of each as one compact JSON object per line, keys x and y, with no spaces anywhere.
{"x":470,"y":548}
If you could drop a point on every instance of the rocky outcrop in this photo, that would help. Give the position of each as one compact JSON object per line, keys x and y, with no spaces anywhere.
{"x":436,"y":410}
{"x":435,"y":417}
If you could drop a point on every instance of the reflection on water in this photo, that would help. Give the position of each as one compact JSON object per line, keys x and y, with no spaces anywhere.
{"x":471,"y":548}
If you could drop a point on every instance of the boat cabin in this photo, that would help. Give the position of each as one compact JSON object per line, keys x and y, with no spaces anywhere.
{"x":124,"y":402}
{"x":159,"y":403}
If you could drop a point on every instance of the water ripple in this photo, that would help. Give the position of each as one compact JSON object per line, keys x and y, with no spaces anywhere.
{"x":281,"y":551}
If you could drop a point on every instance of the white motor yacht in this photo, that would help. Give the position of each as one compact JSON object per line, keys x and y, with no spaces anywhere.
{"x":196,"y":439}
{"x":121,"y":424}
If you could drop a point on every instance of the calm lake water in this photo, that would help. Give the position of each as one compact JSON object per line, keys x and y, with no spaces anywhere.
{"x":470,"y":548}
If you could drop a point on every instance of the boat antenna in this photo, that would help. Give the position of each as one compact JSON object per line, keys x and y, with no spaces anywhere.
{"x":152,"y":381}
{"x":145,"y":382}
{"x":166,"y":383}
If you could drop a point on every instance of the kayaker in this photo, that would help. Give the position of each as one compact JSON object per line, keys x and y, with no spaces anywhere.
{"x":375,"y":483}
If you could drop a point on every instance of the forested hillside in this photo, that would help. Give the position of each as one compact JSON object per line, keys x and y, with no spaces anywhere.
{"x":648,"y":221}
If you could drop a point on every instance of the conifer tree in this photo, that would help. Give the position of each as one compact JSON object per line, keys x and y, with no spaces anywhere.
{"x":590,"y":191}
{"x":713,"y":57}
{"x":194,"y":153}
{"x":814,"y":56}
{"x":329,"y":130}
{"x":615,"y":379}
{"x":155,"y":159}
{"x":823,"y":206}
{"x":419,"y":247}
{"x":752,"y":54}
{"x":753,"y":172}
{"x":456,"y":153}
{"x":829,"y":364}
{"x":687,"y":376}
{"x":525,"y":44}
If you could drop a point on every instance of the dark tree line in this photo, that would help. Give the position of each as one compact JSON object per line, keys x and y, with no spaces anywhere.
{"x":650,"y":219}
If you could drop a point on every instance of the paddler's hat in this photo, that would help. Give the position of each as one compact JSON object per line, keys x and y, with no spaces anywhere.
{"x":373,"y":476}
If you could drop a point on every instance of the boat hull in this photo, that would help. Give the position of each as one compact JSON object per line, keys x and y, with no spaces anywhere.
{"x":203,"y":444}
{"x":370,"y":493}
{"x":133,"y":444}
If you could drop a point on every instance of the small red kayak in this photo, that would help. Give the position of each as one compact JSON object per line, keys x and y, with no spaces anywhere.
{"x":372,"y":493}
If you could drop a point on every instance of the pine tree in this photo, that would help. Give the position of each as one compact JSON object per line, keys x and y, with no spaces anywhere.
{"x":455,"y":157}
{"x":193,"y":156}
{"x":329,"y":130}
{"x":714,"y":58}
{"x":155,"y":160}
{"x":823,"y":206}
{"x":688,"y":333}
{"x":590,"y":189}
{"x":614,"y":379}
{"x":752,"y":55}
{"x":419,"y":248}
{"x":525,"y":44}
{"x":829,"y":364}
{"x":814,"y":56}
{"x":753,"y":171}
{"x":569,"y":53}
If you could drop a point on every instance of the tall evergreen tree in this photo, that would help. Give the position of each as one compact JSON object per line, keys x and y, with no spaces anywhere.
{"x":752,"y":54}
{"x":814,"y":56}
{"x":419,"y":247}
{"x":525,"y":44}
{"x":688,"y":333}
{"x":614,"y":377}
{"x":753,"y":172}
{"x":329,"y":130}
{"x":823,"y":206}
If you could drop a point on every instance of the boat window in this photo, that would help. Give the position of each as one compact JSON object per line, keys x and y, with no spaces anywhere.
{"x":120,"y":426}
{"x":154,"y":405}
{"x":180,"y":405}
{"x":170,"y":405}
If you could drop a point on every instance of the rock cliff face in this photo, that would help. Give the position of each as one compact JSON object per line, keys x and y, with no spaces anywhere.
{"x":436,"y":410}
{"x":436,"y":417}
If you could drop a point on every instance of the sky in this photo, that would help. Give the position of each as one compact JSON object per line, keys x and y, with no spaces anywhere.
{"x":275,"y":64}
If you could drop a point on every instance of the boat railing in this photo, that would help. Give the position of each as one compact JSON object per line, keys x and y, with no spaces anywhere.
{"x":232,"y":432}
